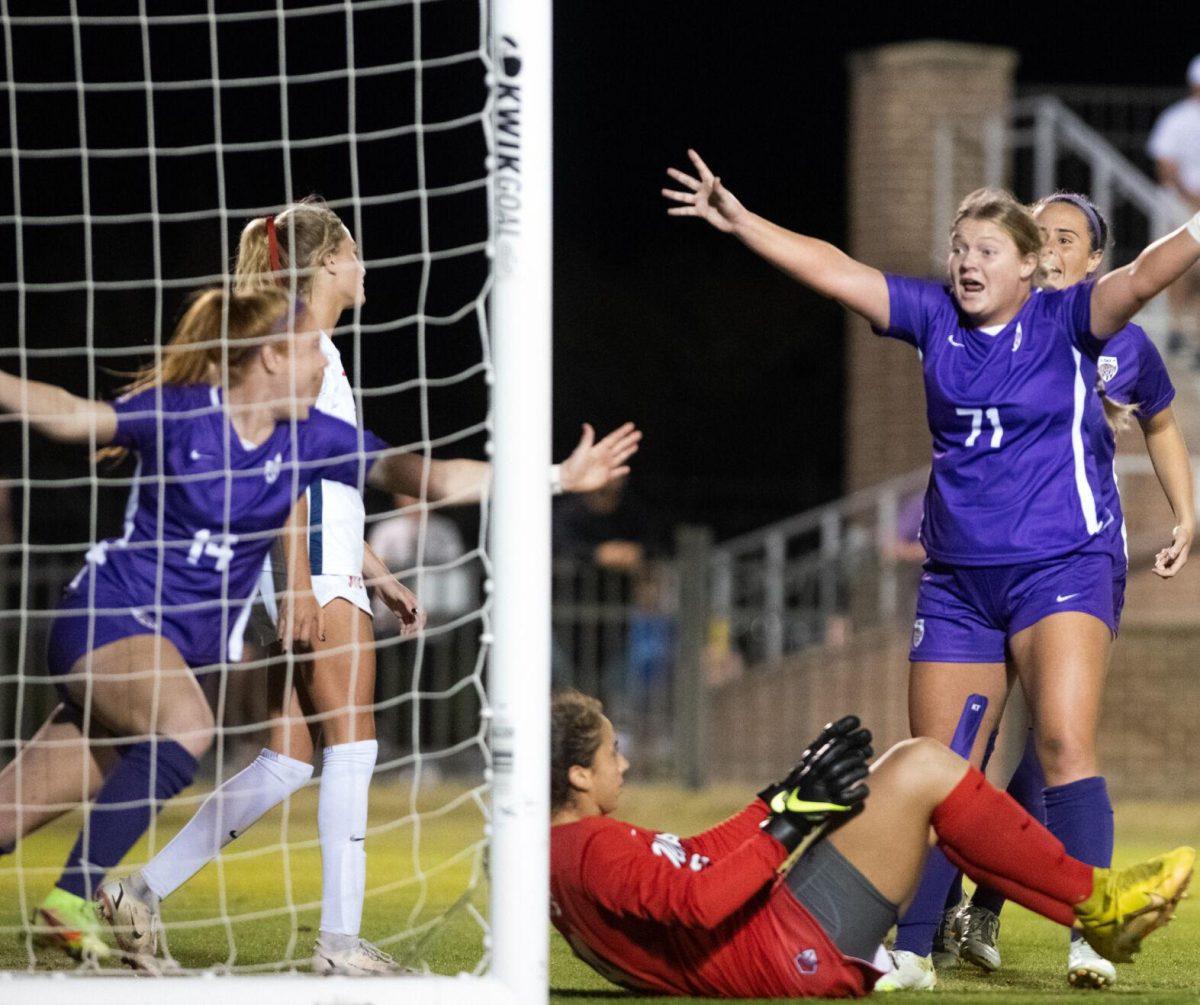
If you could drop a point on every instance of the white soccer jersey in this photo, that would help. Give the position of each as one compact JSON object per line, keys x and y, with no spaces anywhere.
{"x":335,"y":511}
{"x":1176,"y":137}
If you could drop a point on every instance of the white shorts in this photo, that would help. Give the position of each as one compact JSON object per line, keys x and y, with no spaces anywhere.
{"x":264,"y":615}
{"x":327,"y":588}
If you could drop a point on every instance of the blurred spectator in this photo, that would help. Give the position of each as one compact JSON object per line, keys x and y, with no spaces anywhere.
{"x":608,"y":526}
{"x":722,"y":662}
{"x":444,"y":593}
{"x":1175,"y":146}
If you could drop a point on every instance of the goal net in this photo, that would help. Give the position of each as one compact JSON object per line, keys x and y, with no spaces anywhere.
{"x":139,"y":138}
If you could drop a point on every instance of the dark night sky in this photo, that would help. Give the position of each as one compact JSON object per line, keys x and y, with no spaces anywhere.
{"x":733,"y":372}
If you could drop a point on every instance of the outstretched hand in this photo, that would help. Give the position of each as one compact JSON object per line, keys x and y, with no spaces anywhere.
{"x":1173,"y":558}
{"x":705,"y":197}
{"x":402,"y":602}
{"x":592,"y":464}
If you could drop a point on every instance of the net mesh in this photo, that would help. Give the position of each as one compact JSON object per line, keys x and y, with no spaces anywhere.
{"x":139,"y":139}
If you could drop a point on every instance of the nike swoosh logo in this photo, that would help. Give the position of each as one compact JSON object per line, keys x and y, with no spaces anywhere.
{"x":120,"y":897}
{"x":1064,"y":596}
{"x":950,"y":339}
{"x":233,"y":834}
{"x":195,"y":455}
{"x":363,"y":838}
{"x":790,"y":802}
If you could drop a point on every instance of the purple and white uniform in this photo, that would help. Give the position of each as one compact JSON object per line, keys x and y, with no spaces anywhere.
{"x":1015,"y":516}
{"x":202,"y":514}
{"x":1133,"y":373}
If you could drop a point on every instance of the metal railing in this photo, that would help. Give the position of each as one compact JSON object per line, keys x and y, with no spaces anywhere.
{"x":822,"y":573}
{"x":1124,"y":115}
{"x":1045,"y":146}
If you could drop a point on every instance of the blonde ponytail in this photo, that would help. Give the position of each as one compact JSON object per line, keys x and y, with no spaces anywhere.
{"x":219,"y":331}
{"x":309,"y":229}
{"x":1119,"y":417}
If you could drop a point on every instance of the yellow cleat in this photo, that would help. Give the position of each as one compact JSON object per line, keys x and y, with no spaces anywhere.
{"x":69,"y":923}
{"x":1126,"y":905}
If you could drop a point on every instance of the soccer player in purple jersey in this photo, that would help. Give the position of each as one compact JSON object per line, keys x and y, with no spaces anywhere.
{"x":320,"y":577}
{"x":226,"y":440}
{"x":1135,"y":384}
{"x":1015,"y":524}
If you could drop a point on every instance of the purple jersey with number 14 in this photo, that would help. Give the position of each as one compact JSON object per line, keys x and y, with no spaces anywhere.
{"x":203,"y":511}
{"x":1015,"y":417}
{"x":1133,"y":373}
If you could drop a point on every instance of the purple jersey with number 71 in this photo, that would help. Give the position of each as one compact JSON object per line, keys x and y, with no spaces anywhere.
{"x":1133,"y":373}
{"x":203,"y":511}
{"x":1015,"y":419}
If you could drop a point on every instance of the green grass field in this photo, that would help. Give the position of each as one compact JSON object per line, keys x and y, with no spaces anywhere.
{"x":419,"y":870}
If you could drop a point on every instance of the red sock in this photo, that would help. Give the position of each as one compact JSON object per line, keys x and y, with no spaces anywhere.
{"x":993,"y":840}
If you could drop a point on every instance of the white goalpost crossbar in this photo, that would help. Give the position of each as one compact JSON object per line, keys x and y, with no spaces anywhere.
{"x":517,"y":125}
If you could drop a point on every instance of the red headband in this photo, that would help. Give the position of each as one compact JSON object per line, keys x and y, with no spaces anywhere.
{"x":273,"y":249}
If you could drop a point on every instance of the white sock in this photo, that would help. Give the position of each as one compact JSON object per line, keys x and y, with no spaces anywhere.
{"x":228,"y":813}
{"x":342,"y":827}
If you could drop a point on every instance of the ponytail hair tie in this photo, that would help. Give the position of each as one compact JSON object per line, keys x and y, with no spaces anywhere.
{"x":273,"y":249}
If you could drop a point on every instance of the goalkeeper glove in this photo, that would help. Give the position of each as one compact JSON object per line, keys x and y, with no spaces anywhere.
{"x":847,"y":726}
{"x":828,"y":790}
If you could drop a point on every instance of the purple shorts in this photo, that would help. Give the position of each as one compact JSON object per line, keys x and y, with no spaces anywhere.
{"x":77,"y":631}
{"x":967,"y":614}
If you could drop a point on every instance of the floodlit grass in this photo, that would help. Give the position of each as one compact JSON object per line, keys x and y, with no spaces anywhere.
{"x":418,"y":872}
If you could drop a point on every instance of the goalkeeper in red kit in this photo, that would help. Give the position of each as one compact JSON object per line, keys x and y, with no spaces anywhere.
{"x":715,"y":915}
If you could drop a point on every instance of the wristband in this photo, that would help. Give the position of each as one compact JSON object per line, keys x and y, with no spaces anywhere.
{"x":556,"y":485}
{"x":1193,"y":227}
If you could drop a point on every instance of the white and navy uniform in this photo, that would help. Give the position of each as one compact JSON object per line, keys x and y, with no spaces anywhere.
{"x":336,"y":518}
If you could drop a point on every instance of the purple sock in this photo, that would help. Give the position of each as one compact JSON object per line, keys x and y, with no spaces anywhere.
{"x":918,"y":925}
{"x":955,"y":894}
{"x":1026,"y":788}
{"x":122,"y":811}
{"x":1080,"y":815}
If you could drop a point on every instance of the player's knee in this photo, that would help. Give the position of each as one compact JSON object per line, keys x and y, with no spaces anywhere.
{"x":916,"y":764}
{"x":192,"y":729}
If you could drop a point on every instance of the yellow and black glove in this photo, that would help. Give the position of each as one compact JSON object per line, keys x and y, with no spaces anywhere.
{"x":825,"y":789}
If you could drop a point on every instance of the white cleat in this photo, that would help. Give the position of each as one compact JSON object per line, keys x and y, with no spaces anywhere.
{"x":132,"y":915}
{"x":360,"y":960}
{"x":910,"y":972}
{"x":1086,"y":968}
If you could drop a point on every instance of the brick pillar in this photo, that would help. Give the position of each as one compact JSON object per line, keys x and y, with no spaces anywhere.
{"x":898,"y":96}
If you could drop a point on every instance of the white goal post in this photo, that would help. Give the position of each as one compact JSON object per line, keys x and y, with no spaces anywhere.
{"x":517,"y":125}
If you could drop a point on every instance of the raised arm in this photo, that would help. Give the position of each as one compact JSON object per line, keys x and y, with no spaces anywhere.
{"x":1118,"y":296}
{"x":817,"y":264}
{"x":57,"y":413}
{"x":1173,"y":466}
{"x":592,"y":465}
{"x":460,"y":481}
